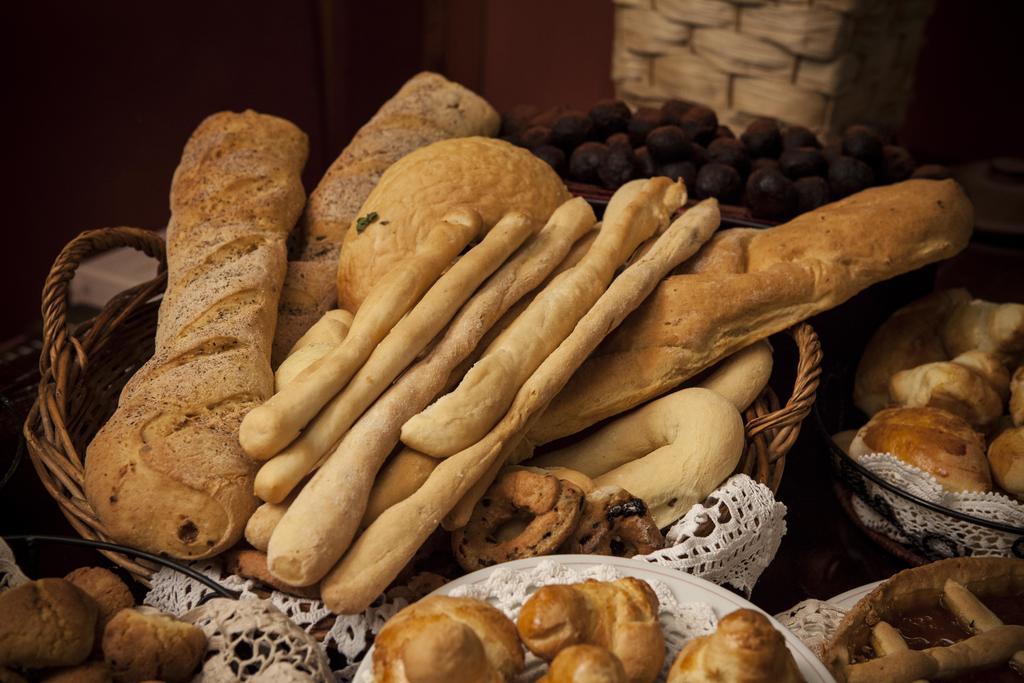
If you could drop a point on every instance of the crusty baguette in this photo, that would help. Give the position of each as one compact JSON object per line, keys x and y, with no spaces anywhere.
{"x":426,"y":109}
{"x":166,"y":472}
{"x":748,"y":284}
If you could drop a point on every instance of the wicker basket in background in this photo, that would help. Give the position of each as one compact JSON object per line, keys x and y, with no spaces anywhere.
{"x":823,"y":64}
{"x":84,"y":369}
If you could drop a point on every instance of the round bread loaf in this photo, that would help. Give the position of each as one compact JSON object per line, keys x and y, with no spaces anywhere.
{"x":934,"y":440}
{"x":489,"y":175}
{"x":49,"y":622}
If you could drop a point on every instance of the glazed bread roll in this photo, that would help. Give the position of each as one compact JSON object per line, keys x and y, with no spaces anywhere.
{"x":973,"y":385}
{"x":748,"y":284}
{"x":426,"y":109}
{"x":491,"y":176}
{"x":671,"y":453}
{"x":621,"y":616}
{"x":1006,"y":459}
{"x":745,"y":648}
{"x":933,"y":440}
{"x":585,"y":664}
{"x":166,"y":473}
{"x":461,"y":418}
{"x":447,"y":640}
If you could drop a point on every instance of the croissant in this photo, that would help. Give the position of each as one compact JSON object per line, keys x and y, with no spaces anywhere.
{"x":744,"y":649}
{"x":621,"y":616}
{"x":585,"y":664}
{"x":1017,"y":397}
{"x":447,"y":640}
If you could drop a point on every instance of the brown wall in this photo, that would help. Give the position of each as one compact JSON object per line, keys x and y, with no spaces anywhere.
{"x":104,"y":94}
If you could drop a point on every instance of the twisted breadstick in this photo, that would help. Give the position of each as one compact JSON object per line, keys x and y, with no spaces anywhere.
{"x":388,"y":544}
{"x":320,"y":524}
{"x":461,"y":418}
{"x":273,"y":425}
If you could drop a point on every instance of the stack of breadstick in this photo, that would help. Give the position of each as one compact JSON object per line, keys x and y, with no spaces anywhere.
{"x":355,"y":385}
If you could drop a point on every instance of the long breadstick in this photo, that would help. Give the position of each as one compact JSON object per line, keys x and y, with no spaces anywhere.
{"x":463,"y":417}
{"x":393,"y":355}
{"x":273,"y":425}
{"x":324,"y":336}
{"x":322,"y":521}
{"x":387,"y":545}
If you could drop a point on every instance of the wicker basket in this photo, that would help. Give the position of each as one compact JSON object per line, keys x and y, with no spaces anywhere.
{"x":818,"y":63}
{"x":83,"y":371}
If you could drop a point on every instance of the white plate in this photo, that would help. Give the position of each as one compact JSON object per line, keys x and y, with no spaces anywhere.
{"x":851,"y":597}
{"x":685,"y":587}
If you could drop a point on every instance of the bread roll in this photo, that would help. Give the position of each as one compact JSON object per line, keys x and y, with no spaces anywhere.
{"x":952,"y":386}
{"x":585,"y":664}
{"x":109,"y":592}
{"x":909,"y":338}
{"x":748,"y":284}
{"x":447,"y":640}
{"x":745,"y":648}
{"x":489,"y":176}
{"x":143,"y":644}
{"x":426,"y":109}
{"x":166,"y":472}
{"x":1017,"y":397}
{"x":985,"y":326}
{"x":1006,"y":458}
{"x":930,"y":439}
{"x":621,"y":616}
{"x":49,"y":622}
{"x":89,"y":672}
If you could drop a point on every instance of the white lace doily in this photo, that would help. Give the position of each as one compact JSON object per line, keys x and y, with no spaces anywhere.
{"x":921,"y":527}
{"x":813,"y":622}
{"x":508,"y":589}
{"x":251,"y":640}
{"x":730,"y":538}
{"x":729,"y":542}
{"x":10,"y":573}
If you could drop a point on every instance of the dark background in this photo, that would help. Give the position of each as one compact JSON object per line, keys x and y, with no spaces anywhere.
{"x":104,"y":94}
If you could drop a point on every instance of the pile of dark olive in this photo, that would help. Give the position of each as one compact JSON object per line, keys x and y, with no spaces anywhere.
{"x":777,"y":172}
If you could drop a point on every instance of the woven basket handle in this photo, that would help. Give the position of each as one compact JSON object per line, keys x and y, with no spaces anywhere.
{"x":56,"y":333}
{"x":787,"y":419}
